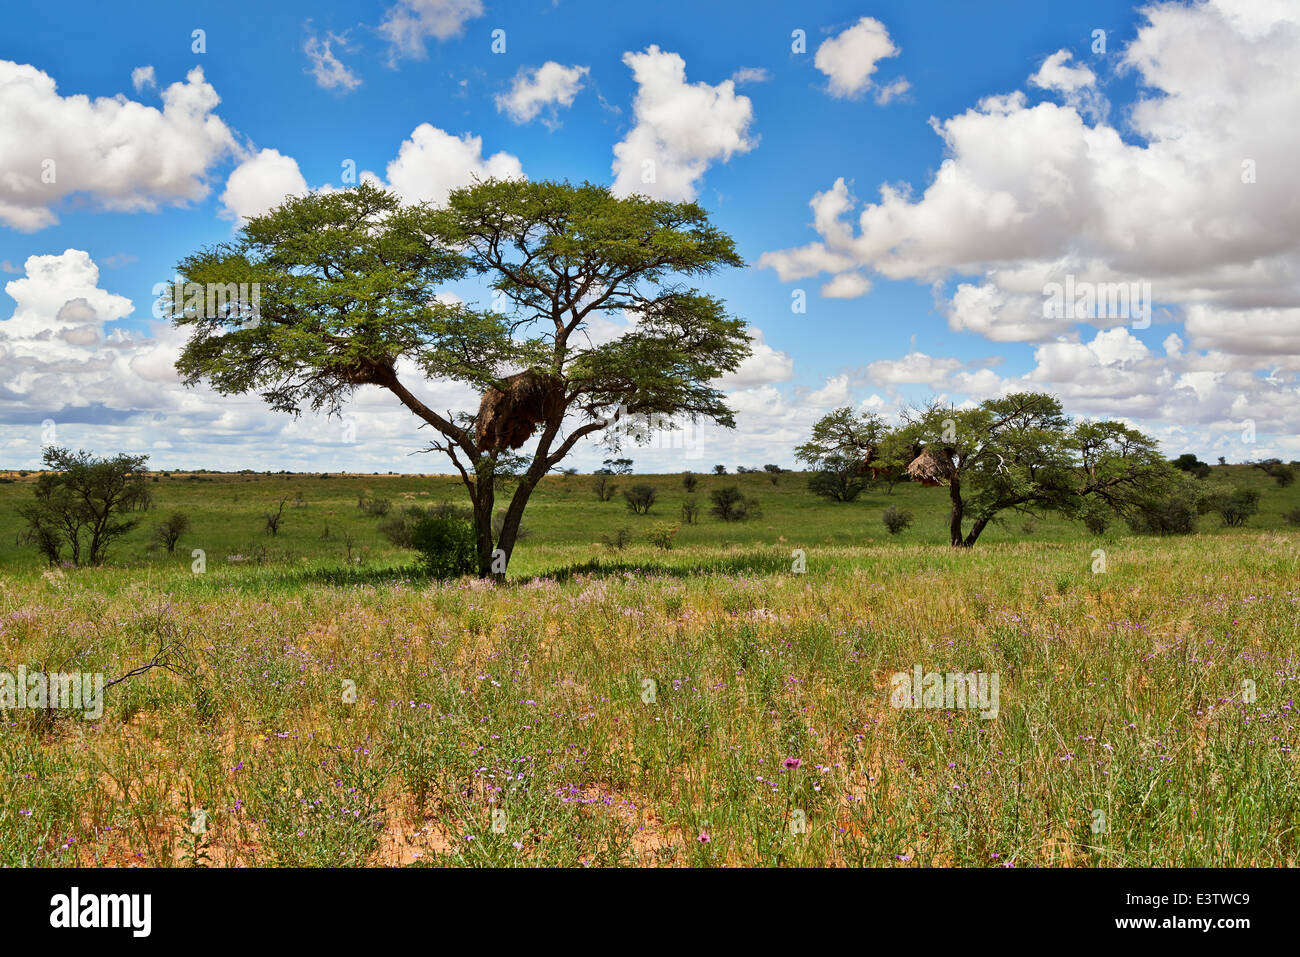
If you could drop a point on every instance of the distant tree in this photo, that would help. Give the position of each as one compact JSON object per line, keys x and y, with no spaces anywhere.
{"x":603,"y":487}
{"x":731,"y":505}
{"x":1222,"y":460}
{"x":616,"y":467}
{"x":845,"y":441}
{"x":690,"y":511}
{"x":1021,"y":453}
{"x":719,"y":470}
{"x":169,"y":531}
{"x":273,"y":519}
{"x":838,"y":478}
{"x":81,"y":501}
{"x":773,"y":473}
{"x":1284,"y":475}
{"x":1187,"y":462}
{"x":640,"y":498}
{"x":689,"y":481}
{"x":1234,"y":506}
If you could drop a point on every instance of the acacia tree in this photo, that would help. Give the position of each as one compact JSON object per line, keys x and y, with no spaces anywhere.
{"x":81,"y":501}
{"x":1022,"y":453}
{"x":845,"y":445}
{"x":349,"y":281}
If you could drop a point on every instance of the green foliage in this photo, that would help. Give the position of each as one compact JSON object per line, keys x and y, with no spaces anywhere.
{"x":374,"y":507}
{"x":640,"y":498}
{"x":837,"y":478}
{"x":731,"y":505}
{"x":662,"y":535}
{"x":896,"y":519}
{"x":168,"y":532}
{"x":603,"y":487}
{"x":1234,"y":506}
{"x":1171,"y":514}
{"x":619,"y":539}
{"x":1283,"y":474}
{"x":689,"y":481}
{"x":690,"y":511}
{"x":80,"y":502}
{"x":446,"y":545}
{"x":399,"y":526}
{"x":1187,"y":462}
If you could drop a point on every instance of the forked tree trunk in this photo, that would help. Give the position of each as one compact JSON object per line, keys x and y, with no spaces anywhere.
{"x":958,"y":508}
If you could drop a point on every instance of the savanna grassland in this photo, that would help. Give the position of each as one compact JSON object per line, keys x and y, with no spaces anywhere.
{"x":1159,"y":692}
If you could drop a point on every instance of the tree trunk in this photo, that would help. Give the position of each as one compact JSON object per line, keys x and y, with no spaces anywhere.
{"x":954,"y":520}
{"x":975,"y":532}
{"x":514,"y":516}
{"x":484,"y":499}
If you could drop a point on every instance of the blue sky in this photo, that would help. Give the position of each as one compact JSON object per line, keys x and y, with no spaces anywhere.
{"x":939,"y":288}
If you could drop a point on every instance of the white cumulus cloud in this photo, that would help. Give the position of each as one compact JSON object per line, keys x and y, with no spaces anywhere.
{"x":681,"y":128}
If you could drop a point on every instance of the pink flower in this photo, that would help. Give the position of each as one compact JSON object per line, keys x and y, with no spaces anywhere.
{"x":791,"y":764}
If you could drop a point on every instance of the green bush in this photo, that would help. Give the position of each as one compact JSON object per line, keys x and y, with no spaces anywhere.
{"x":447,"y":547}
{"x":443,"y":535}
{"x":896,"y":519}
{"x":1233,"y":505}
{"x":662,"y":535}
{"x":619,"y":540}
{"x":639,"y":498}
{"x":1173,"y":515}
{"x":730,"y":505}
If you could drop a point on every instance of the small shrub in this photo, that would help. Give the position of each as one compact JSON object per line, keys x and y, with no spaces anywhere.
{"x":1173,"y":515}
{"x":662,"y":535}
{"x":639,"y":498}
{"x":169,"y":531}
{"x":896,"y":519}
{"x":619,"y":540}
{"x":1292,"y":517}
{"x":374,"y":507}
{"x":274,"y":519}
{"x":730,"y":505}
{"x":689,"y":481}
{"x":690,"y":511}
{"x":603,"y":486}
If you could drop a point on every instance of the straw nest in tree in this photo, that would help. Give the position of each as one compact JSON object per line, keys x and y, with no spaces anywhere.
{"x":932,"y":468}
{"x":507,"y":418}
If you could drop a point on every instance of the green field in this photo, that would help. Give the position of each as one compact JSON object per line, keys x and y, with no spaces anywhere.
{"x":641,"y":706}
